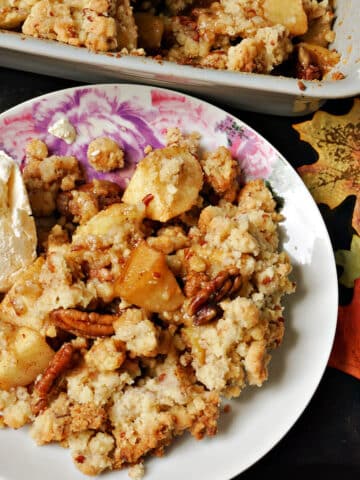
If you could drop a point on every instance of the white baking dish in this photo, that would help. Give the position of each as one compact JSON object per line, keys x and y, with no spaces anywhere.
{"x":262,"y":93}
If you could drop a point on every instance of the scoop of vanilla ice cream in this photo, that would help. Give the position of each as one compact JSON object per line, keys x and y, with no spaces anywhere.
{"x":17,"y":227}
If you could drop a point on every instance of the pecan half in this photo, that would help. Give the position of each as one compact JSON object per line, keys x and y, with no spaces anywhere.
{"x":207,"y":313}
{"x":216,"y":289}
{"x":195,"y":281}
{"x":85,"y":324}
{"x":60,"y":362}
{"x":204,"y":304}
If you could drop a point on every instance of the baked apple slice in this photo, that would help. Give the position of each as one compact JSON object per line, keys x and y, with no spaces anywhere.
{"x":290,"y":14}
{"x":167,"y":181}
{"x":148,"y":282}
{"x":23,"y":356}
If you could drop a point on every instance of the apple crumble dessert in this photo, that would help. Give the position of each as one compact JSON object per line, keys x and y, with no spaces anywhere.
{"x":143,"y":308}
{"x":262,"y":36}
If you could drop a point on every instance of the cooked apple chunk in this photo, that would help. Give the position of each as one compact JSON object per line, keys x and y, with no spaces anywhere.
{"x":316,"y":55}
{"x":148,"y":282}
{"x":167,"y":181}
{"x":290,"y":14}
{"x":24,"y":354}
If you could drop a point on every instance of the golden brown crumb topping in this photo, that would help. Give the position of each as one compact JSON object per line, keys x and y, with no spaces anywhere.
{"x":104,"y":154}
{"x":240,"y":35}
{"x":144,"y":309}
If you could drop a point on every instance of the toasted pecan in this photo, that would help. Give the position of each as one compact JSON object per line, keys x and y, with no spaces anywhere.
{"x":195,"y":281}
{"x":207,"y":313}
{"x":59,"y":363}
{"x":85,"y":324}
{"x":204,"y":304}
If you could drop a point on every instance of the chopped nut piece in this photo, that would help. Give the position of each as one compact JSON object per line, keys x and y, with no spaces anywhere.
{"x":337,"y":76}
{"x":147,"y":199}
{"x":227,"y":408}
{"x":207,"y":313}
{"x":301,"y":85}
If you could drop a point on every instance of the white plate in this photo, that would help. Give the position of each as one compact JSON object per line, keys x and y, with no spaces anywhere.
{"x":258,"y":92}
{"x":137,"y":116}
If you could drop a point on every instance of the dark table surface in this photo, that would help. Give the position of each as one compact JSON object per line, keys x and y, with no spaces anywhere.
{"x":325,"y":441}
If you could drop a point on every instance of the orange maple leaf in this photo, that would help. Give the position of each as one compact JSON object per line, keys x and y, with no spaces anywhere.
{"x":336,"y":174}
{"x":345,"y":354}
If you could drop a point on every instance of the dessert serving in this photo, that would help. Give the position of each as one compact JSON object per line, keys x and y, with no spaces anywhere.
{"x":284,"y":37}
{"x":144,"y":303}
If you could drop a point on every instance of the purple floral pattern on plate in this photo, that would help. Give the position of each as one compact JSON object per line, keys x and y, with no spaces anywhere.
{"x":134,"y":116}
{"x":255,"y":156}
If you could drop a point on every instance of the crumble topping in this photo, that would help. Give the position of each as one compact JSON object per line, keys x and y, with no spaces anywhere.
{"x":104,"y":154}
{"x":136,"y":472}
{"x":258,"y":36}
{"x":144,"y":308}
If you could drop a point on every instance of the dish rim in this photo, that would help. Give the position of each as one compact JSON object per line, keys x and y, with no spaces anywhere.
{"x":173,"y":72}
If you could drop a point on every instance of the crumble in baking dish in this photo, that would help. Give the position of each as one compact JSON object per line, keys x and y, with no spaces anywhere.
{"x":261,"y":36}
